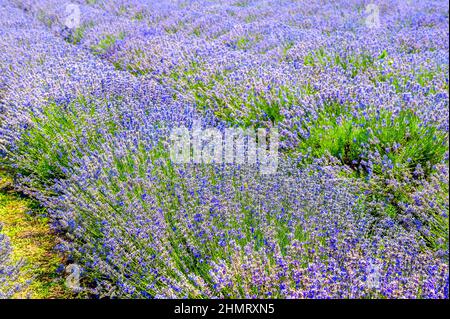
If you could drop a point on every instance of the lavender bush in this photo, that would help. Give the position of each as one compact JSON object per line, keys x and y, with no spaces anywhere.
{"x":358,"y":207}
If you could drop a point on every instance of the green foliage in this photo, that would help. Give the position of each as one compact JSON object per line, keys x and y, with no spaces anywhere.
{"x":58,"y":132}
{"x":106,"y":43}
{"x":77,"y":34}
{"x":399,"y":81}
{"x":242,"y":43}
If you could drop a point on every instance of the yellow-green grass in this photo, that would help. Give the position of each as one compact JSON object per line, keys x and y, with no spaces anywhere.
{"x":32,"y":241}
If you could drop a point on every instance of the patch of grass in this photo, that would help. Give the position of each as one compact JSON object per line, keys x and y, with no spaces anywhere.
{"x":32,"y":241}
{"x":173,"y":29}
{"x":135,"y":68}
{"x":260,"y":106}
{"x":396,"y":146}
{"x":197,"y":31}
{"x":250,"y":18}
{"x":242,"y":43}
{"x":286,"y":47}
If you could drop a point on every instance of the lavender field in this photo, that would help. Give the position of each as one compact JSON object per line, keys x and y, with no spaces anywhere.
{"x":115,"y":122}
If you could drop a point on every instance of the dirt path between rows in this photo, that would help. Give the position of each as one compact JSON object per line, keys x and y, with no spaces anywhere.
{"x":33,"y":241}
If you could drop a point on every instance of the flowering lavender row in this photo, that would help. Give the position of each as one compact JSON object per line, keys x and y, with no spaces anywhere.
{"x":257,"y":71}
{"x":44,"y":76}
{"x":189,"y":232}
{"x":358,"y":207}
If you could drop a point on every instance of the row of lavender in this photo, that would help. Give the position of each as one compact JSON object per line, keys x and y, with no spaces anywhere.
{"x":84,"y":123}
{"x":255,"y":70}
{"x":282,"y":63}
